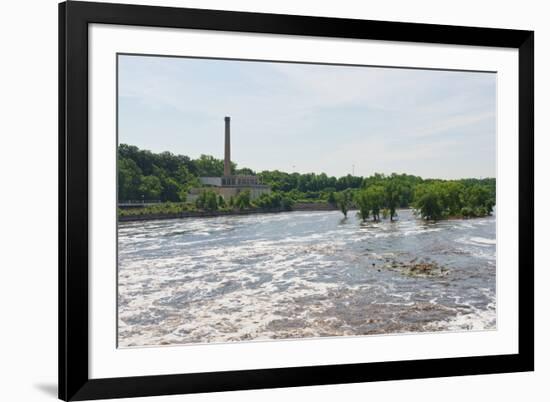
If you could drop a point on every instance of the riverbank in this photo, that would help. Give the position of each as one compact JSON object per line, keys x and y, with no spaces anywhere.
{"x":208,"y":214}
{"x":298,"y":207}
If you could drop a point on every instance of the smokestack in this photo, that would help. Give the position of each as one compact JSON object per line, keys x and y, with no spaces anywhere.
{"x":227,"y":157}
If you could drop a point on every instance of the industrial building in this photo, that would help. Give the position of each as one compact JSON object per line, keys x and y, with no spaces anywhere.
{"x":229,"y":185}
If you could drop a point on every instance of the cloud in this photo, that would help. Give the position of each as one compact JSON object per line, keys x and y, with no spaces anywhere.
{"x":314,"y":117}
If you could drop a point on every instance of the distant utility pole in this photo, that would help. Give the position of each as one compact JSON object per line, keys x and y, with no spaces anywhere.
{"x":353,"y":170}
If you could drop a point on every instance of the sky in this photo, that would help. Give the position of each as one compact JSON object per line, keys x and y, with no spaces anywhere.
{"x":312,"y":118}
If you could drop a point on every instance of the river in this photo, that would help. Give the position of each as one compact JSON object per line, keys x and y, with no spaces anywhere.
{"x":301,"y":275}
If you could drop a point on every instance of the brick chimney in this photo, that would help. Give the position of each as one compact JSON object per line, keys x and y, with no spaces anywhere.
{"x":227,"y":156}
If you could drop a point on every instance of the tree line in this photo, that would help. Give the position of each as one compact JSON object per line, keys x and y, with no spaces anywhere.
{"x":166,"y":177}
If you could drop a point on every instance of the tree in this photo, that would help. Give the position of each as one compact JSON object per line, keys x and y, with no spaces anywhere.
{"x":375,"y":199}
{"x":129,"y":179}
{"x":392,"y":196}
{"x":452,"y":196}
{"x":170,"y":189}
{"x":428,"y":202}
{"x":150,"y":188}
{"x":478,"y":196}
{"x":362,"y":202}
{"x":208,"y":166}
{"x":343,"y":200}
{"x":164,"y":176}
{"x":183,"y":176}
{"x":244,"y":171}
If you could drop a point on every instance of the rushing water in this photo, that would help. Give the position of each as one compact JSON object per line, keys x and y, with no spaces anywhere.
{"x":302,"y":274}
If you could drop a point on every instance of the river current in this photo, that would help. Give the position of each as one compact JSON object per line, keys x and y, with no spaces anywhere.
{"x":301,"y":275}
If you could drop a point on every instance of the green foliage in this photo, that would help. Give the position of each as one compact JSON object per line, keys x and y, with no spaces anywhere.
{"x":207,"y":201}
{"x":331,"y":199}
{"x":399,"y":188}
{"x":266,"y":201}
{"x":344,"y":201}
{"x":375,"y":196}
{"x":170,"y":189}
{"x":478,"y":197}
{"x":362,"y":203}
{"x":243,"y":171}
{"x":159,"y":209}
{"x":308,"y":182}
{"x":129,"y":179}
{"x":438,"y":199}
{"x":208,"y":166}
{"x":150,"y":187}
{"x":393,"y":197}
{"x":242,"y":200}
{"x":273,"y":201}
{"x":428,"y":202}
{"x":370,"y":201}
{"x":144,"y":175}
{"x":467,"y":212}
{"x":286,"y":203}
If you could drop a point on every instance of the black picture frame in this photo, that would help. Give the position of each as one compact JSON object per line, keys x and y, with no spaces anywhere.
{"x":74,"y":18}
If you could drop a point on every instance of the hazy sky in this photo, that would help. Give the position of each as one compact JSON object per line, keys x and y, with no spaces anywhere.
{"x":312,"y":118}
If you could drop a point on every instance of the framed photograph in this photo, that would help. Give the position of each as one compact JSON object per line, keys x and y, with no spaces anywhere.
{"x":257,"y":200}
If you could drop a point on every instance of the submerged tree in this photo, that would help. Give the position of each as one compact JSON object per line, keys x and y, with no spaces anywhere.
{"x":392,"y":196}
{"x":375,"y":197}
{"x":343,"y":200}
{"x":428,"y":201}
{"x":363,"y":204}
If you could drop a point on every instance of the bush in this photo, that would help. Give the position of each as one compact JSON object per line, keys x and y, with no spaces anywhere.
{"x":242,"y":200}
{"x":467,"y":212}
{"x":331,"y":199}
{"x":480,"y":211}
{"x":158,"y":209}
{"x":207,"y":200}
{"x":287,"y":203}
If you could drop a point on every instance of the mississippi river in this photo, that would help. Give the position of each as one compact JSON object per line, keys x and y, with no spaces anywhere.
{"x":302,"y":275}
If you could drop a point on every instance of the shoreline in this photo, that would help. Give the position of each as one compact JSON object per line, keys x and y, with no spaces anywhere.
{"x":211,"y":214}
{"x":300,"y":207}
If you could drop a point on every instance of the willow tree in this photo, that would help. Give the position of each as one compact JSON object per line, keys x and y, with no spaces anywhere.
{"x":343,"y":200}
{"x":375,"y":200}
{"x":363,"y":204}
{"x":392,"y":196}
{"x":428,"y":201}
